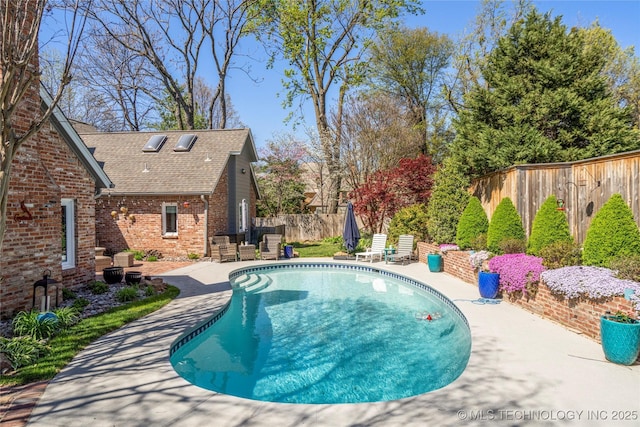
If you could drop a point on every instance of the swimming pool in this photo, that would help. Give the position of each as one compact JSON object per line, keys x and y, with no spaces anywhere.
{"x":326,"y":333}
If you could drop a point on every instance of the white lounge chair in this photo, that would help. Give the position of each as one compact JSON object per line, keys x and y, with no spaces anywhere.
{"x":405,"y":249}
{"x":376,"y":250}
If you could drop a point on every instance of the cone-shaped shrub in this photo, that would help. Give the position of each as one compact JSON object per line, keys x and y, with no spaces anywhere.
{"x":473,"y":222}
{"x":613,"y":232}
{"x":549,"y":226}
{"x":505,"y":224}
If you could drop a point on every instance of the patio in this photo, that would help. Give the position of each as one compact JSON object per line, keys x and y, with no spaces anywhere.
{"x":523,"y":369}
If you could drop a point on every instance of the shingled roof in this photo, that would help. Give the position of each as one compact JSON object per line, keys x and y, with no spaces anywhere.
{"x":197,"y":171}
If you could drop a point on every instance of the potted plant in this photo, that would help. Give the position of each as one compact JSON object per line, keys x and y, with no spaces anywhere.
{"x":620,"y":337}
{"x":488,"y":281}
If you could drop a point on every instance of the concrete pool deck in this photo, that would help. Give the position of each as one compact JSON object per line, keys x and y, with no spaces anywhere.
{"x":523,"y":370}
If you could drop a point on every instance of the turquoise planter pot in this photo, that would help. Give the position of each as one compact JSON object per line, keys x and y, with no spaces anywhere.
{"x":620,"y":341}
{"x":435,"y":262}
{"x":488,"y":284}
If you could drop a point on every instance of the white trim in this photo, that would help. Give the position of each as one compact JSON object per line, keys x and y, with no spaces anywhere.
{"x":70,"y":226}
{"x":165,"y":205}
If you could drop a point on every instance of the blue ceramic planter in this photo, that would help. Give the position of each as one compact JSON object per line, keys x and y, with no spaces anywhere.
{"x":488,"y":284}
{"x":620,"y":341}
{"x":435,"y":262}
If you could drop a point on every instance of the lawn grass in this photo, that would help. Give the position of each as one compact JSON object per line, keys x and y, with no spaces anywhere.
{"x":327,"y":247}
{"x":66,"y":345}
{"x":317,"y":249}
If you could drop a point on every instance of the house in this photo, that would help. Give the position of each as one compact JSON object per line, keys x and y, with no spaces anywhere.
{"x":50,"y":210}
{"x":317,"y":192}
{"x":174,"y":190}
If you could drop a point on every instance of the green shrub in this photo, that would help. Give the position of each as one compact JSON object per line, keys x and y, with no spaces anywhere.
{"x":152,"y":258}
{"x":448,"y":199}
{"x":26,"y":323}
{"x":549,"y":226}
{"x":67,"y":316}
{"x":512,"y":246}
{"x":410,"y":220}
{"x":473,"y":223}
{"x":505,"y":224}
{"x":192,"y":255}
{"x":22,"y":351}
{"x":479,"y":243}
{"x":613,"y":232}
{"x":138,"y":255}
{"x":627,"y":266}
{"x":68,"y":294}
{"x":149,"y":291}
{"x":127,"y":294}
{"x":560,"y":254}
{"x":97,"y":287}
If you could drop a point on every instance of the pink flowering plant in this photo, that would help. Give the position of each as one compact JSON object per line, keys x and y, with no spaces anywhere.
{"x":518,"y":272}
{"x":589,"y":282}
{"x":448,"y":247}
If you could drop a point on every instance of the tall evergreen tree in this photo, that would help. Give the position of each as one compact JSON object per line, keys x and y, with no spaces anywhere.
{"x":544,"y":99}
{"x":448,"y":200}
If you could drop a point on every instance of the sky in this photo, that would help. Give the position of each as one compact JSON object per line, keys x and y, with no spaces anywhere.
{"x":258,"y":99}
{"x":259,"y":104}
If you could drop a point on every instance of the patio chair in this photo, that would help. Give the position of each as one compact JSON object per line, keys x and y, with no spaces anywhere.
{"x":223,"y":250}
{"x":270,"y":246}
{"x":378,"y":243}
{"x":405,"y":250}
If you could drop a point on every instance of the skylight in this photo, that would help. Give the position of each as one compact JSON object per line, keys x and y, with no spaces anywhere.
{"x":185,"y":142}
{"x":154,"y":144}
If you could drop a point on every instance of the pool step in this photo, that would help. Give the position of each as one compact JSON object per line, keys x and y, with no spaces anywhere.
{"x":260,"y":285}
{"x":252,"y":282}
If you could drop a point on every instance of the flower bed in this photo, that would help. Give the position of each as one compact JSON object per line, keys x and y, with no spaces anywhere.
{"x":580,"y":310}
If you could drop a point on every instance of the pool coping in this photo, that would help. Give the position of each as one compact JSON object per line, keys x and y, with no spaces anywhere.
{"x":522,"y":369}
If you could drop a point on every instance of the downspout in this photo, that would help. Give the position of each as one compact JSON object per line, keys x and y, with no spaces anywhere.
{"x":206,"y":225}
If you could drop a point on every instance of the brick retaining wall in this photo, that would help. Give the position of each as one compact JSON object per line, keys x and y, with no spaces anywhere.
{"x":580,"y":314}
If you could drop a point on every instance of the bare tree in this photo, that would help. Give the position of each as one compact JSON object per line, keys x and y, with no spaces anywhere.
{"x":323,"y":41}
{"x":377,"y":131}
{"x":226,"y":23}
{"x":121,"y":79}
{"x":171,"y":35}
{"x":492,"y":22}
{"x":19,"y":69}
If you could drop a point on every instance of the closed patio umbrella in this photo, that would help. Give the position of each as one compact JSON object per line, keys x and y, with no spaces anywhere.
{"x":351,"y":234}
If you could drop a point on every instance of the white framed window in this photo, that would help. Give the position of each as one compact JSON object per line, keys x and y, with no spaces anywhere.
{"x":169,"y":219}
{"x":68,"y":233}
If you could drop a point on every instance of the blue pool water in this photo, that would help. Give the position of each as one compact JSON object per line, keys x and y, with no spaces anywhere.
{"x":326,"y":335}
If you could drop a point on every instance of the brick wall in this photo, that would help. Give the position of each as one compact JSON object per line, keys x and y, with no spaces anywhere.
{"x":44,"y":171}
{"x":145,"y":231}
{"x":581,"y":315}
{"x":140,"y":228}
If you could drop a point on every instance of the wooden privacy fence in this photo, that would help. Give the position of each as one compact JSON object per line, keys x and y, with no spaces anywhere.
{"x":310,"y":227}
{"x":584,"y":186}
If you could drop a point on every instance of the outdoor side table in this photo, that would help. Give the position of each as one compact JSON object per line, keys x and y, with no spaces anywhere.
{"x":387,"y":252}
{"x":247,"y":252}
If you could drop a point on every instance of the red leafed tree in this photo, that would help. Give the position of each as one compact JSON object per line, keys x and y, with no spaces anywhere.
{"x":388,"y":191}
